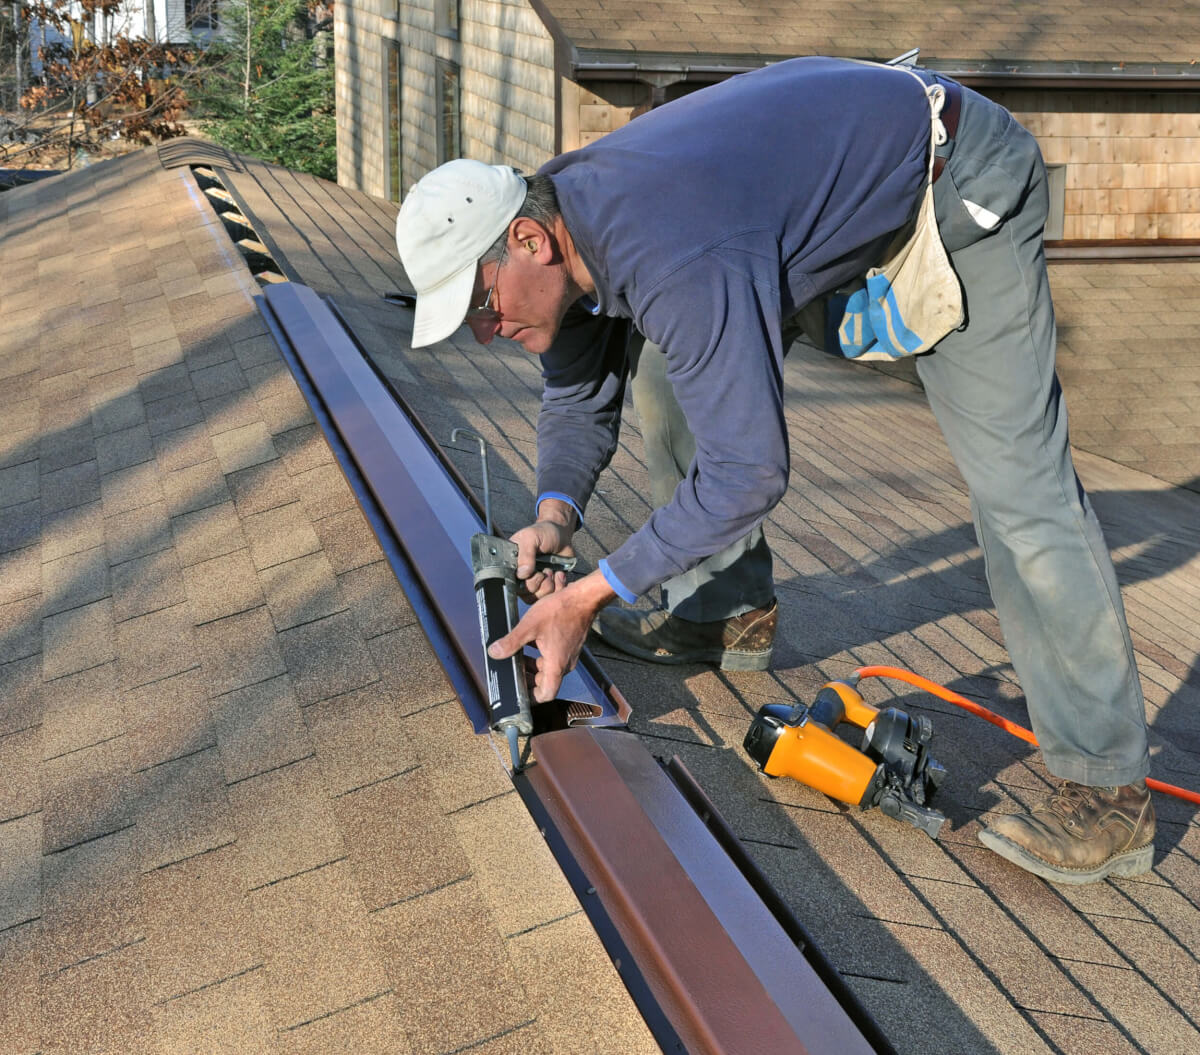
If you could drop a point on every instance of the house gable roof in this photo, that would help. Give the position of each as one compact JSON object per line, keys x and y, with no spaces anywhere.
{"x":1066,"y":35}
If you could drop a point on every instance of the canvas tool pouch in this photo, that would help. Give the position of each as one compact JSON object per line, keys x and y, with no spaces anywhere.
{"x":914,"y":299}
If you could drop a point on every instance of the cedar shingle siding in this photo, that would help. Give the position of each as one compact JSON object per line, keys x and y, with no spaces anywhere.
{"x":1132,"y":159}
{"x":506,"y":93}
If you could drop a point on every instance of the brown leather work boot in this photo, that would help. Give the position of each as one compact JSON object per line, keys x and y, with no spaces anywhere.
{"x":742,"y":643}
{"x":1080,"y":834}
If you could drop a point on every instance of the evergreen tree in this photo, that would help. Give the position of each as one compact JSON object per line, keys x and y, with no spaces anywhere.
{"x":267,"y":86}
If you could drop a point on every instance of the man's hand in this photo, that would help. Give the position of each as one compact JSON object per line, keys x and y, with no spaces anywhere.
{"x":551,"y":533}
{"x":556,"y":626}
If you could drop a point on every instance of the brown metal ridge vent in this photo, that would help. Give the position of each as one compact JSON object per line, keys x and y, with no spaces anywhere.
{"x":396,"y":471}
{"x":726,"y":838}
{"x":708,"y":955}
{"x":728,"y":978}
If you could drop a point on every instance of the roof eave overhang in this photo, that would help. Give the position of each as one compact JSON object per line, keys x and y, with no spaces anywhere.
{"x":1075,"y":76}
{"x":640,"y":65}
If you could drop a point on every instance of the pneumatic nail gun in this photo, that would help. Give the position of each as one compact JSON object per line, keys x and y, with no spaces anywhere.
{"x":893,"y":771}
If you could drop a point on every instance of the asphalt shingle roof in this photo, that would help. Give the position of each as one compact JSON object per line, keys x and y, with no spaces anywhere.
{"x":876,"y":562}
{"x":1127,"y":358}
{"x":241,"y":809}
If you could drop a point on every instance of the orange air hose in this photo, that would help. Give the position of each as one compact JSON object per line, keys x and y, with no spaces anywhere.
{"x":950,"y":696}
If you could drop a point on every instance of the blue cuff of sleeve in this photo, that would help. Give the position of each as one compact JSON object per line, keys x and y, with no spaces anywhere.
{"x":618,"y":586}
{"x":562,"y":498}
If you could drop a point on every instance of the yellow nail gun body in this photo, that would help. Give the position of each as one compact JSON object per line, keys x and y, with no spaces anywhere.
{"x":893,"y":771}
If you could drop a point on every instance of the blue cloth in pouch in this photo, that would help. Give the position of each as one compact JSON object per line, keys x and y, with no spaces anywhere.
{"x":868,"y":323}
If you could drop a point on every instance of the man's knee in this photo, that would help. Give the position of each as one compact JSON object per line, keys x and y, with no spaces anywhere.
{"x":666,"y":436}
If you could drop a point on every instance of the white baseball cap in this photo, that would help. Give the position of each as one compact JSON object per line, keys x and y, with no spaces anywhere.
{"x":450,"y":218}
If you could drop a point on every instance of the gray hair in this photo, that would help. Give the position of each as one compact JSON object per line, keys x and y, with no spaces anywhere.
{"x":541,"y":204}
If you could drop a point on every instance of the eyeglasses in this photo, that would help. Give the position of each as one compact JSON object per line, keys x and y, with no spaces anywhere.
{"x":485,"y":310}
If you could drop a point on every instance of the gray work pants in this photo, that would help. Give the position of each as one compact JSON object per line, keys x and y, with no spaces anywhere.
{"x":994,"y":392}
{"x":995,"y":395}
{"x":729,"y":583}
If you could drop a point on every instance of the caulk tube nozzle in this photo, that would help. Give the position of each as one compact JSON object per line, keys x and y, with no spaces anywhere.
{"x":514,"y":748}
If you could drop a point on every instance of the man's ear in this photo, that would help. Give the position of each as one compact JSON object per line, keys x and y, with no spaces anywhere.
{"x":530,"y":236}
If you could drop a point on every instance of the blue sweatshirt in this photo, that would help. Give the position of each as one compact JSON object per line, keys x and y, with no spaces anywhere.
{"x":708,"y":222}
